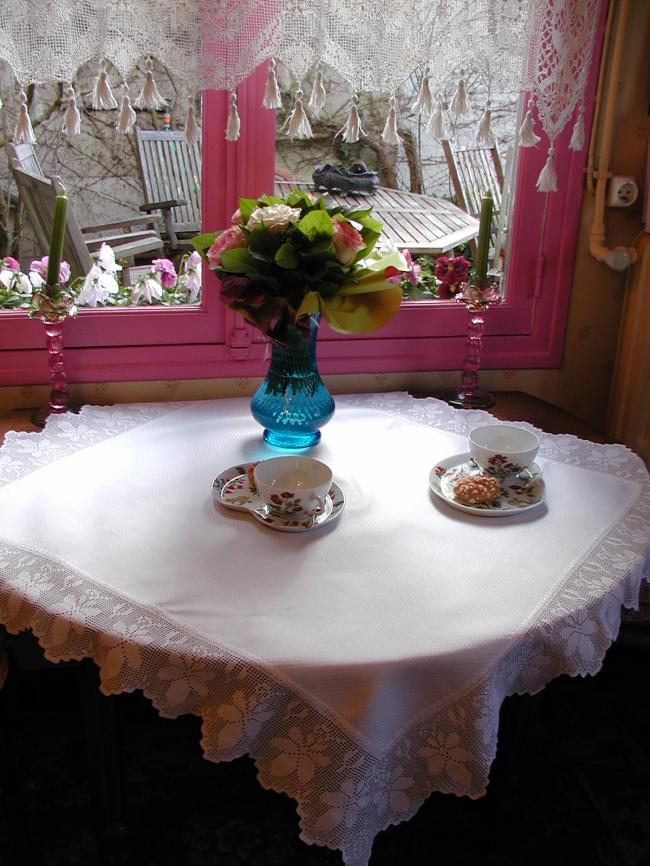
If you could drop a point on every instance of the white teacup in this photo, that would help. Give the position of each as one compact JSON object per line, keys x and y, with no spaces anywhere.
{"x":293,"y":487}
{"x":503,"y":449}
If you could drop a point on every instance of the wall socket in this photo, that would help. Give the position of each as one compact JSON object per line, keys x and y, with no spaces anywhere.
{"x":622,"y":191}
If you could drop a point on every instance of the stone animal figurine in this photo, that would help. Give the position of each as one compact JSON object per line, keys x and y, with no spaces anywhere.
{"x":338,"y":178}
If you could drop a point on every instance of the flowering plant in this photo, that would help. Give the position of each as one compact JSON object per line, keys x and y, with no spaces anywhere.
{"x":451,"y":273}
{"x":285,"y":259}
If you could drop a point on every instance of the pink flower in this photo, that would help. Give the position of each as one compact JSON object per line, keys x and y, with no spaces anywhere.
{"x":38,"y":271}
{"x":11,"y":264}
{"x":227,"y":240}
{"x":166,"y":271}
{"x":347,"y":241}
{"x":412,"y":274}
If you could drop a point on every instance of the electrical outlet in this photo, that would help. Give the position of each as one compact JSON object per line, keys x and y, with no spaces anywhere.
{"x":622,"y":191}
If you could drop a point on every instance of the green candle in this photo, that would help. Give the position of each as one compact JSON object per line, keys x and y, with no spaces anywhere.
{"x":481,"y":263}
{"x":56,"y":241}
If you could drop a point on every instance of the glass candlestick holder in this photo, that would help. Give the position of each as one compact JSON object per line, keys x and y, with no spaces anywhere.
{"x":52,"y":305}
{"x":477,"y":297}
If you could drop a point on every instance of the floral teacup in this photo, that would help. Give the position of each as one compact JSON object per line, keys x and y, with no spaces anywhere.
{"x":293,"y":487}
{"x":504,"y":449}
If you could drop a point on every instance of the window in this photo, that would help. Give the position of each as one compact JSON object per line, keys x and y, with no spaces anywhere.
{"x":527,"y":331}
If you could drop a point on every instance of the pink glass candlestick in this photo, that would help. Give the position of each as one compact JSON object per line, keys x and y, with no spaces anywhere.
{"x":53,"y":308}
{"x":477,"y":299}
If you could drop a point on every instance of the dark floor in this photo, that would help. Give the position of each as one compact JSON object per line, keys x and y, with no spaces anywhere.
{"x":578,"y":792}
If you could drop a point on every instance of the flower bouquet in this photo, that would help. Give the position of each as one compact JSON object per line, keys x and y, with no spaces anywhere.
{"x":284,"y":263}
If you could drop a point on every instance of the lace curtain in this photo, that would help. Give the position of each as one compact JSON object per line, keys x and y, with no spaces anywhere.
{"x":543,"y":46}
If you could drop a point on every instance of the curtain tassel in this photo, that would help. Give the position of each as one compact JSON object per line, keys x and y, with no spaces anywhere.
{"x":103,"y":98}
{"x":424,"y":102}
{"x":234,"y":124}
{"x":191,"y":127}
{"x":318,"y":95}
{"x":578,"y":135}
{"x":298,"y":125}
{"x":272,"y":97}
{"x":23,"y":133}
{"x":460,"y":103}
{"x":527,"y":137}
{"x":389,"y":134}
{"x":126,"y":120}
{"x":484,"y":136}
{"x":71,"y":118}
{"x":352,"y":130}
{"x":547,"y":180}
{"x":149,"y":97}
{"x":436,"y":125}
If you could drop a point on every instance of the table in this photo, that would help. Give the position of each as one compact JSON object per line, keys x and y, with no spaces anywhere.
{"x":363,"y":665}
{"x":419,"y":223}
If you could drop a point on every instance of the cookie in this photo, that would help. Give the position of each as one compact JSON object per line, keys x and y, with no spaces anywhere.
{"x":475,"y":489}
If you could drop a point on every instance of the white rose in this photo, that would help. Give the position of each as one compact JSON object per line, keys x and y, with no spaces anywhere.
{"x":275,"y":217}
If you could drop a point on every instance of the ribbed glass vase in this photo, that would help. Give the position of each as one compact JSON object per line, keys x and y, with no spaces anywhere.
{"x":292,"y":403}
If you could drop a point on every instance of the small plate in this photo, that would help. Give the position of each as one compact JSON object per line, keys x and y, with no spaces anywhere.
{"x":516,"y":495}
{"x":233,"y":490}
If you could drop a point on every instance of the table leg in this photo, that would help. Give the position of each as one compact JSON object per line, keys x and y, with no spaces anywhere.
{"x":105,"y":768}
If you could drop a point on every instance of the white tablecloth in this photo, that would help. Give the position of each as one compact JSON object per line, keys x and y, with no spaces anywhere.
{"x":364,"y":664}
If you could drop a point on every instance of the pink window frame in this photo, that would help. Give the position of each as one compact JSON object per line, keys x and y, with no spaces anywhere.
{"x":208,"y":341}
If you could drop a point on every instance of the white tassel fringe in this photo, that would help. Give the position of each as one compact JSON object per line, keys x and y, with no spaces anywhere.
{"x":126,"y":120}
{"x":578,"y":135}
{"x":527,"y":137}
{"x":460,"y":103}
{"x":149,"y":97}
{"x":24,"y":133}
{"x":191,"y":127}
{"x":318,"y":95}
{"x":352,"y":130}
{"x":547,"y":180}
{"x":424,"y":102}
{"x":234,"y":124}
{"x":272,"y":97}
{"x":103,"y":98}
{"x":297,"y":124}
{"x":484,"y":136}
{"x":389,"y":134}
{"x":436,"y":125}
{"x":71,"y":118}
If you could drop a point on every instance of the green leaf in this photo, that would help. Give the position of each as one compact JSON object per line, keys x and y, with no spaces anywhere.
{"x":236,"y":261}
{"x":271,"y":199}
{"x":202,"y":243}
{"x":246,"y":208}
{"x":298,"y":198}
{"x":286,"y":257}
{"x":316,"y":225}
{"x":263,"y":244}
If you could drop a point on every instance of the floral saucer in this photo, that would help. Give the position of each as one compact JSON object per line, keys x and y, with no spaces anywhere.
{"x":234,"y":489}
{"x":517,"y":494}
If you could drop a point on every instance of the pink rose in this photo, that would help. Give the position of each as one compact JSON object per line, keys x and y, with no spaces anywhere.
{"x":39,"y":268}
{"x":228,"y":240}
{"x":166,"y":271}
{"x":347,"y":242}
{"x":11,"y":264}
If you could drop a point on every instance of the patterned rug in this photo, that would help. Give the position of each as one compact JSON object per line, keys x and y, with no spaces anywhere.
{"x":575,"y":790}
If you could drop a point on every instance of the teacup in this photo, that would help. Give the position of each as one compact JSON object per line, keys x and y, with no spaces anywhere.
{"x":504,"y":449}
{"x":294,"y":488}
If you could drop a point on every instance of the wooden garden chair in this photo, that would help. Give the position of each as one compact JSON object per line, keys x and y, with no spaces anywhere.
{"x":171,"y":180}
{"x":39,"y":195}
{"x":473,"y":170}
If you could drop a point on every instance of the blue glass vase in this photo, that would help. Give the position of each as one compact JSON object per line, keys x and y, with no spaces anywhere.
{"x":292,"y":402}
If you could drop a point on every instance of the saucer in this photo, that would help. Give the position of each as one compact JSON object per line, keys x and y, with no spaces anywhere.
{"x":516,"y":495}
{"x":233,"y":490}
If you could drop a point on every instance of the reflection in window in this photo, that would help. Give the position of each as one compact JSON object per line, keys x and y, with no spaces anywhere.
{"x":138,"y":193}
{"x":438,"y":159}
